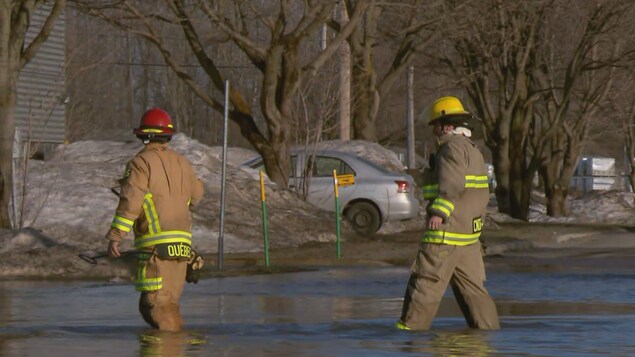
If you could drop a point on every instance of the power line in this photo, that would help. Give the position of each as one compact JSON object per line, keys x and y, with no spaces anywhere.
{"x":140,"y":64}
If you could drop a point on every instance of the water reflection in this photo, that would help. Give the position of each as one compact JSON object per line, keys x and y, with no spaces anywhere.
{"x":453,"y":343}
{"x":5,"y":318}
{"x":340,"y":312}
{"x":168,"y":344}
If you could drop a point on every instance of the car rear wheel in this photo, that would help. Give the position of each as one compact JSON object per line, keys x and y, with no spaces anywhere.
{"x":364,"y":217}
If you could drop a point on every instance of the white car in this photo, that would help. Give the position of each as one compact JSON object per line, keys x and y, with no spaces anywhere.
{"x":375,"y":196}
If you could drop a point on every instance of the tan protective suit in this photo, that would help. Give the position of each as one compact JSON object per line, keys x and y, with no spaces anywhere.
{"x":156,"y":191}
{"x":459,"y":193}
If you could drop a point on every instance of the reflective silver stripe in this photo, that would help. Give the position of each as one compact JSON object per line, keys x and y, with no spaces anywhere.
{"x":163,"y":237}
{"x":430,"y":191}
{"x":443,"y":205}
{"x":141,"y":282}
{"x":476,"y":181}
{"x":471,"y":181}
{"x":432,"y":236}
{"x":151,"y":214}
{"x":122,"y":223}
{"x":149,"y":284}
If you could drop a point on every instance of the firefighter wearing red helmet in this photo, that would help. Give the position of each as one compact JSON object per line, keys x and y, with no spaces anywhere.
{"x":157,"y":189}
{"x":155,"y":123}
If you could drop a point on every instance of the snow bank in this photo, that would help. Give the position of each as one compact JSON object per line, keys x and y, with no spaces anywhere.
{"x":69,"y":206}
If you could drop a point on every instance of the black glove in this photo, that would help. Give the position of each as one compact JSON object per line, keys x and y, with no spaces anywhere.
{"x":192,"y":275}
{"x":194,"y":265}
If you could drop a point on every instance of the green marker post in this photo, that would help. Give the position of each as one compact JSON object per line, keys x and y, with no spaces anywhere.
{"x":264,"y":218}
{"x":337,"y":213}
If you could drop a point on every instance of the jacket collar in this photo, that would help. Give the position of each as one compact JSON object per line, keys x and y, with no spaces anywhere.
{"x":155,"y":146}
{"x":445,"y":138}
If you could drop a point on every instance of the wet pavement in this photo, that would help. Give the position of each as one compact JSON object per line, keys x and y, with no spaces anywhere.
{"x":339,"y":311}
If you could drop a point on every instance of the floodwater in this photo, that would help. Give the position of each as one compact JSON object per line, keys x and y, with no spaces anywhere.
{"x":344,"y":311}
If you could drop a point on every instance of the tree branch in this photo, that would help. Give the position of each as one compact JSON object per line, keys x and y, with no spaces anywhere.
{"x":28,"y":54}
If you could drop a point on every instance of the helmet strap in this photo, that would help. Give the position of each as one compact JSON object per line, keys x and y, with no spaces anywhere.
{"x":445,"y":128}
{"x":151,"y":138}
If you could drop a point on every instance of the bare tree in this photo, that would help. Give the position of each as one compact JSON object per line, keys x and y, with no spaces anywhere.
{"x":15,"y":53}
{"x":535,"y":100}
{"x":396,"y":31}
{"x":277,"y":54}
{"x":621,"y":108}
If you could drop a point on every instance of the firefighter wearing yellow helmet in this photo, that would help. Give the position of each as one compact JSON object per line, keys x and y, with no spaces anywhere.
{"x":450,"y":252}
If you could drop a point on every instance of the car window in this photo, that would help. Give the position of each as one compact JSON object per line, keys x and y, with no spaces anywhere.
{"x":375,"y":165}
{"x":260,"y":165}
{"x":323,"y":166}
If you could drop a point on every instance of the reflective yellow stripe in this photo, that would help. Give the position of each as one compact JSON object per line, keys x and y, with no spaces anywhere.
{"x":476,"y":181}
{"x":477,"y":185}
{"x":432,"y":236}
{"x":163,"y":237}
{"x":443,"y":205}
{"x":149,"y":284}
{"x":430,"y":191}
{"x":151,"y":214}
{"x":445,"y":211}
{"x":141,"y":282}
{"x":152,"y":130}
{"x":122,"y":223}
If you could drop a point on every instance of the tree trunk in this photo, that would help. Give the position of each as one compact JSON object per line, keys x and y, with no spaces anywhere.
{"x":556,"y":200}
{"x":520,"y":189}
{"x":248,"y":129}
{"x":8,"y":81}
{"x":366,"y":100}
{"x":520,"y":175}
{"x":14,"y":21}
{"x":502,"y":181}
{"x":7,"y":132}
{"x":277,"y":162}
{"x":629,"y":151}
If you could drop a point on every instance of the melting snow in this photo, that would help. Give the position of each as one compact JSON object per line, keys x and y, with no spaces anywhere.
{"x":69,"y":206}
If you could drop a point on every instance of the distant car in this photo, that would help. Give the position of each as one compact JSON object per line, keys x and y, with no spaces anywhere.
{"x":376,"y":195}
{"x":491,"y":177}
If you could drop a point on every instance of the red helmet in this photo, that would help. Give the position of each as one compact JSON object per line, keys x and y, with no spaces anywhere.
{"x":155,"y":122}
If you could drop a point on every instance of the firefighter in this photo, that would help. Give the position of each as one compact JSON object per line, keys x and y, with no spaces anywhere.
{"x":157,"y":188}
{"x":450,"y":250}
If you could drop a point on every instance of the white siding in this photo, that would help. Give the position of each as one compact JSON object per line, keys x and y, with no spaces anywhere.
{"x":41,"y":85}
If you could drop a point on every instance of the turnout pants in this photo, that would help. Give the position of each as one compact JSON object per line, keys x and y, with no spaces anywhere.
{"x":438,"y":265}
{"x":160,"y":308}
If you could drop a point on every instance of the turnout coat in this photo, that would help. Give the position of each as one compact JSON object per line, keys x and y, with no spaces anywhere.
{"x":156,"y":190}
{"x":457,"y":190}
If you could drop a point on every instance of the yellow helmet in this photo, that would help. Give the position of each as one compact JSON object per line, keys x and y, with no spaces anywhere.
{"x":449,"y":110}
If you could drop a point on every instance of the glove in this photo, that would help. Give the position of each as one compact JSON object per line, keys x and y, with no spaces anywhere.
{"x":194,"y":265}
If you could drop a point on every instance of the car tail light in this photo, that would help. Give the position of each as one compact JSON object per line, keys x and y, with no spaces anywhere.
{"x":402,"y":186}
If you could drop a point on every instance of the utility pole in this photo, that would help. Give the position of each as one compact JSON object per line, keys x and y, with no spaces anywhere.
{"x":411,"y":119}
{"x":345,"y":81}
{"x":221,"y":230}
{"x":323,"y":38}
